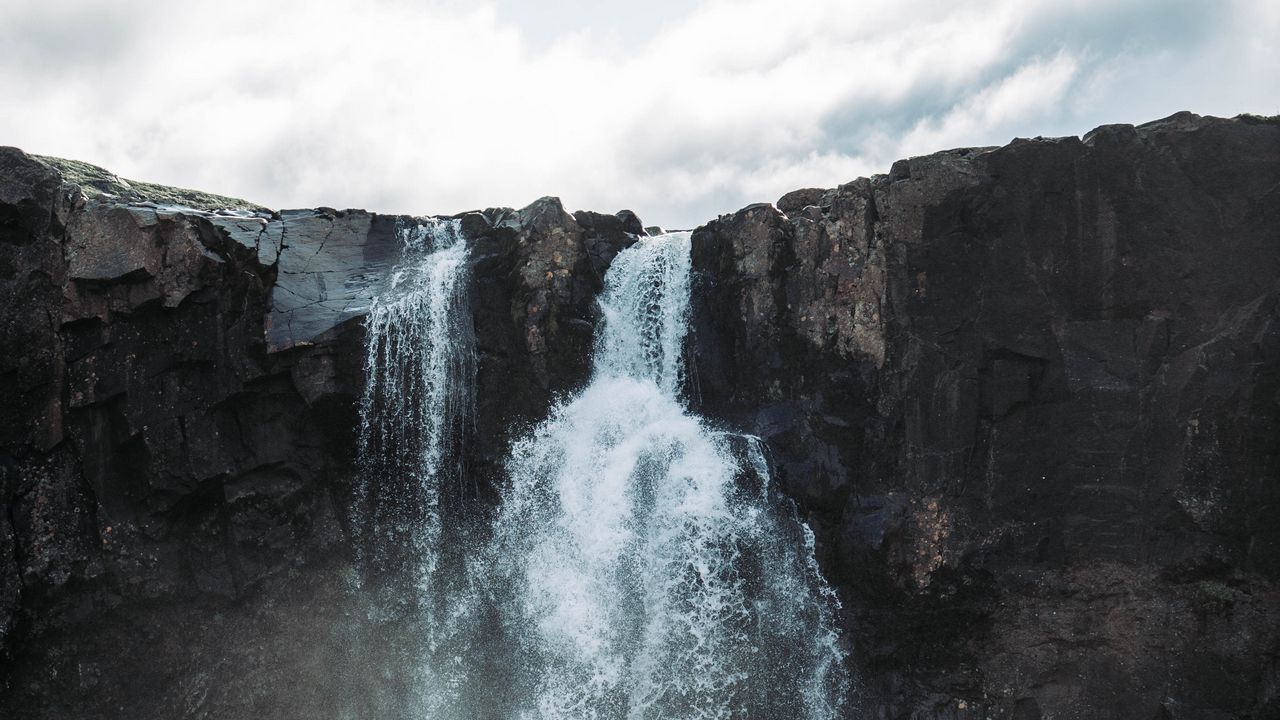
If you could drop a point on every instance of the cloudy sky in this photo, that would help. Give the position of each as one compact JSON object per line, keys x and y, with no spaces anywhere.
{"x":679,"y":109}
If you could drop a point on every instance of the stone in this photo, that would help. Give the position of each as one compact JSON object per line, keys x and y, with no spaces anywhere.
{"x":797,"y":200}
{"x":1050,"y":406}
{"x":327,"y":271}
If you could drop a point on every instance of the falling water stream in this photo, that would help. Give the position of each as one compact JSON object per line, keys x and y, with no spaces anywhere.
{"x":640,"y":565}
{"x":419,"y":375}
{"x":415,"y":411}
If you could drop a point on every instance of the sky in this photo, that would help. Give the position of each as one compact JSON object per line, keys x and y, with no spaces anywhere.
{"x":678,"y":109}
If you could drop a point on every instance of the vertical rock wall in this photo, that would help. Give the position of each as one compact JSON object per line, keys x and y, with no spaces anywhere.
{"x":1030,"y":396}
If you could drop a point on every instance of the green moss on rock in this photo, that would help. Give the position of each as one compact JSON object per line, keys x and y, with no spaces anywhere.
{"x":94,"y":180}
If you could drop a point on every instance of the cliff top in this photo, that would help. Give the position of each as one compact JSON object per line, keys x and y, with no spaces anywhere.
{"x":96,"y":181}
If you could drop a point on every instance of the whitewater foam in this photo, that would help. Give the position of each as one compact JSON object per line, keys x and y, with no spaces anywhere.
{"x":649,"y":568}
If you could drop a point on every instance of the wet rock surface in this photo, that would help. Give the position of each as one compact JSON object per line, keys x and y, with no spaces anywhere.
{"x":1028,"y":398}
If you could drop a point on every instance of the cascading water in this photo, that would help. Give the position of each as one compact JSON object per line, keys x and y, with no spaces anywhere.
{"x":639,"y":565}
{"x":419,"y":368}
{"x":640,"y":561}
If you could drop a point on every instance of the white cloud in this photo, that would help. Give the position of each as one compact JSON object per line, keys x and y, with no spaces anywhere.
{"x":1031,"y":92}
{"x":699,"y":109}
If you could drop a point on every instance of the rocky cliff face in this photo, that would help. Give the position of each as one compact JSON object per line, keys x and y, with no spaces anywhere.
{"x":1028,"y":397}
{"x":181,"y":389}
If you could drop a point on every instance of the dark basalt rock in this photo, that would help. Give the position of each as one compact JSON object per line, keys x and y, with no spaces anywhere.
{"x":536,"y":273}
{"x":798,"y":200}
{"x":178,"y":443}
{"x":1028,"y":398}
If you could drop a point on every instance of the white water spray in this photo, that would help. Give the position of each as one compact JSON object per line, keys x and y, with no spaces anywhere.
{"x":642,"y":560}
{"x":419,"y":370}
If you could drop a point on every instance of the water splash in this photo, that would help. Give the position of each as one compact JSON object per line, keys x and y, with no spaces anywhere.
{"x":646,"y":567}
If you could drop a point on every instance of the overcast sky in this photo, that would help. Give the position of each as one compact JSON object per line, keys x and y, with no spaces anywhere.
{"x":678,"y":109}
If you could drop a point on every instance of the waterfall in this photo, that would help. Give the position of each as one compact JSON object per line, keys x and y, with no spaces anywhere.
{"x":414,"y":415}
{"x":639,"y":565}
{"x":419,"y":374}
{"x":640,"y":560}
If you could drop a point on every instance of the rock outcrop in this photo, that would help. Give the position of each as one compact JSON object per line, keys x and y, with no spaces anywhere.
{"x":1028,"y":398}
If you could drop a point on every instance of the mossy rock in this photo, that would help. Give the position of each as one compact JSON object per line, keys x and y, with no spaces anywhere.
{"x":96,"y":181}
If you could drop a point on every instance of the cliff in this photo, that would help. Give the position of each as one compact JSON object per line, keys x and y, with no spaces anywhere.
{"x":1028,"y":398}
